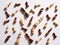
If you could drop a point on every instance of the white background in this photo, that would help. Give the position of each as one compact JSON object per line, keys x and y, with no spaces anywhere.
{"x":23,"y":41}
